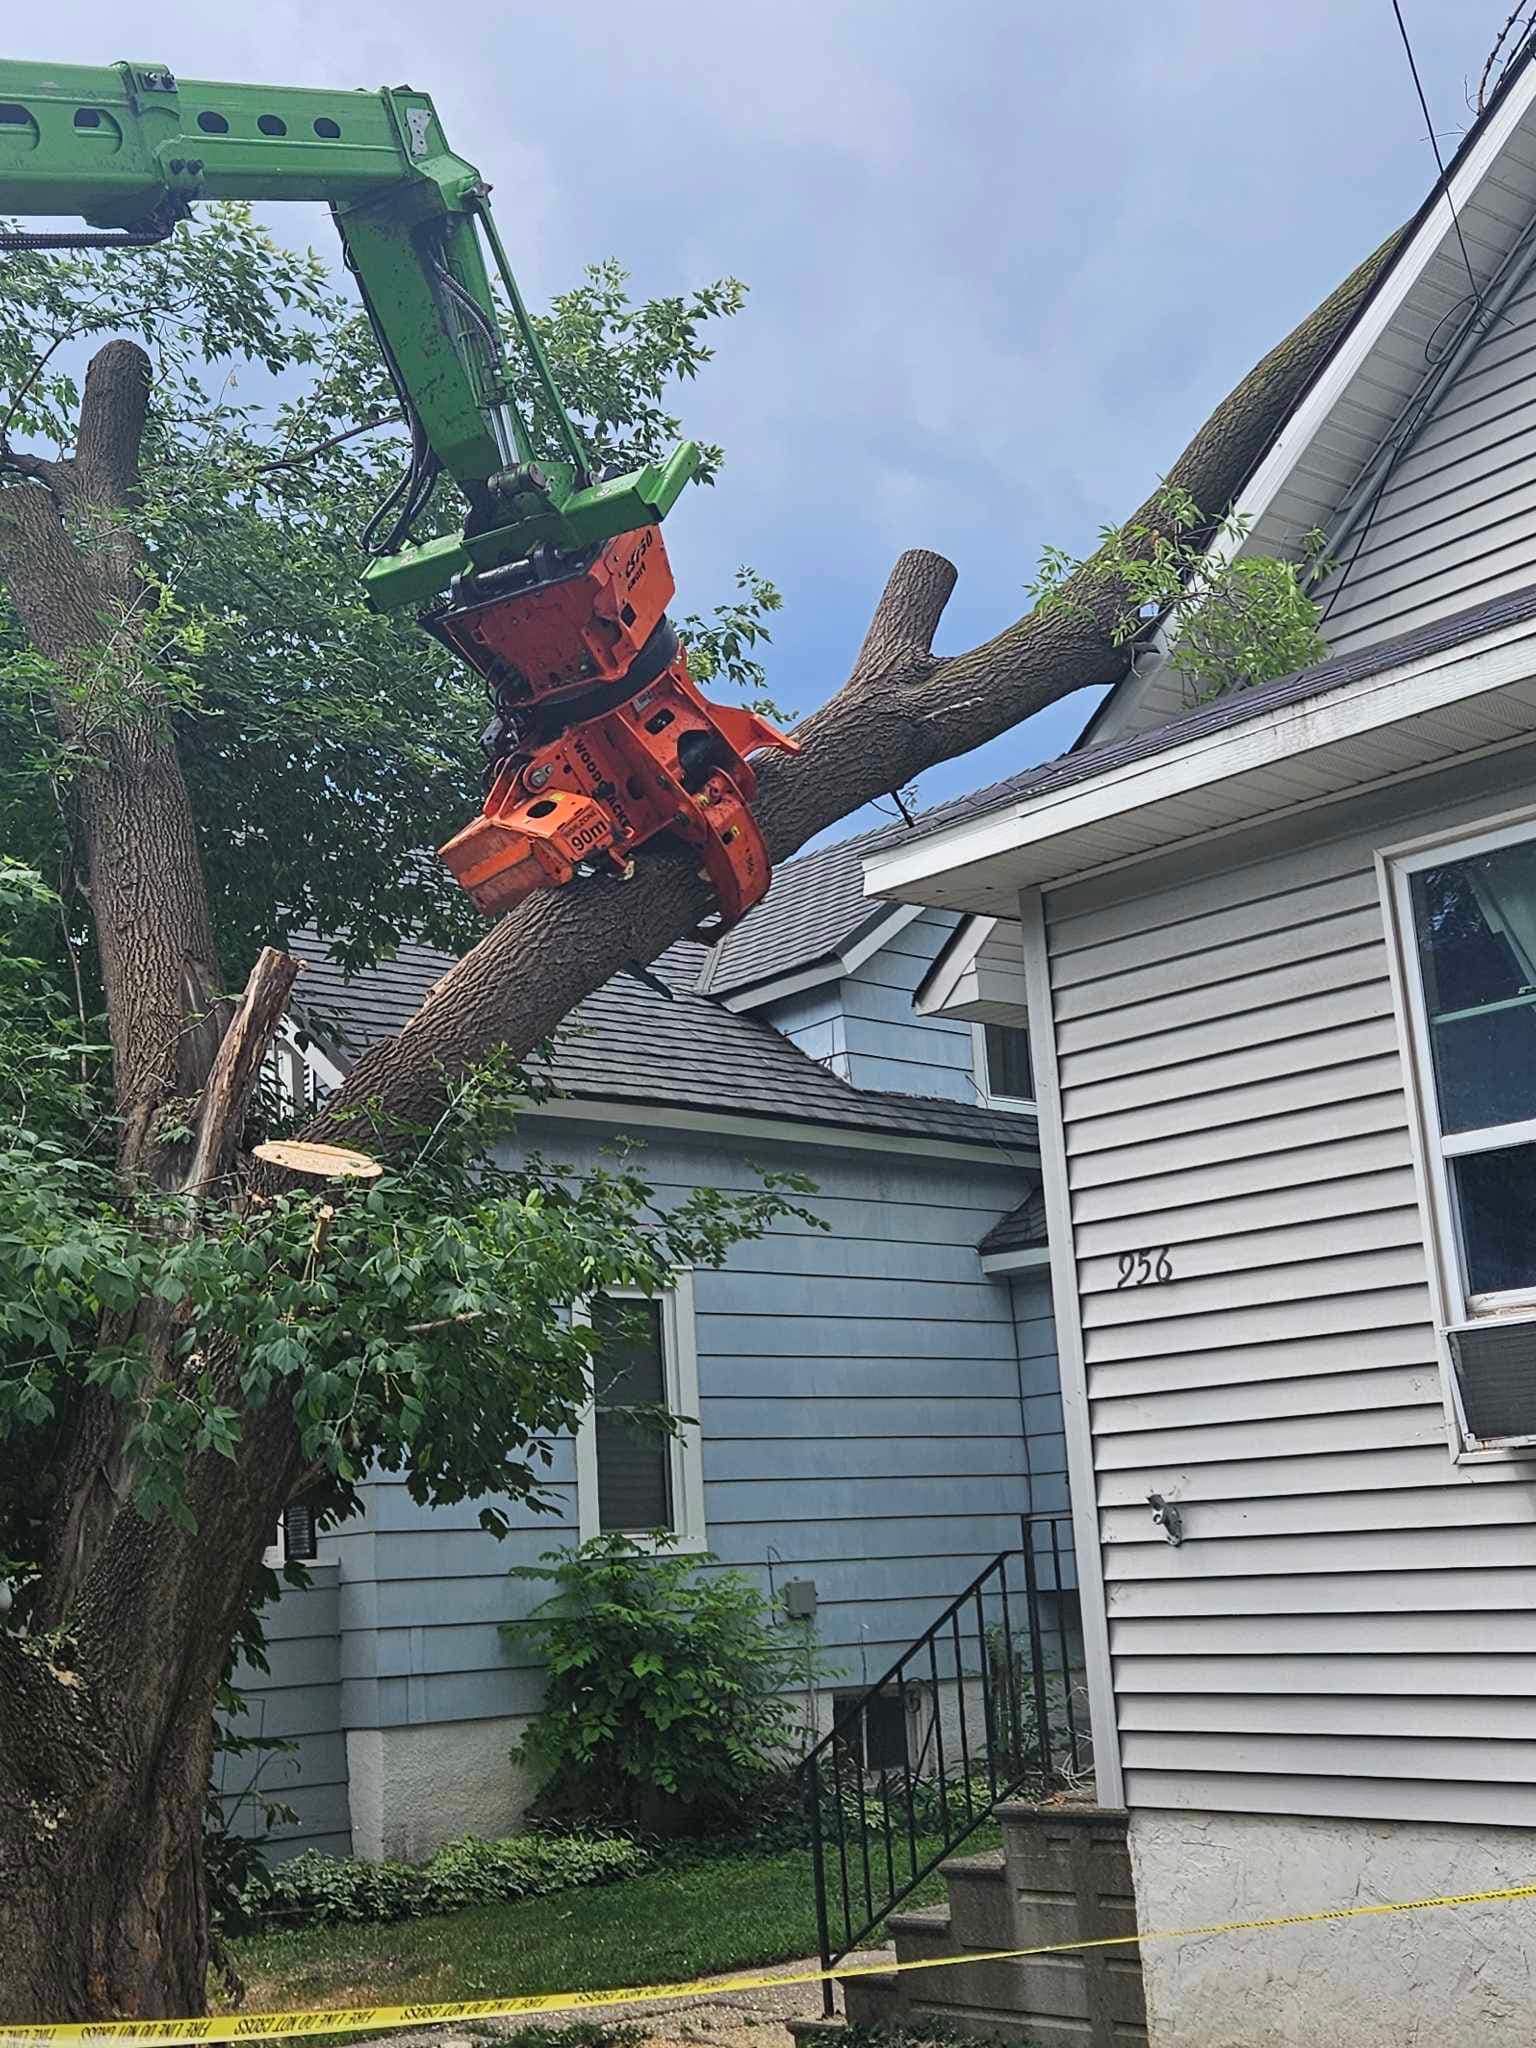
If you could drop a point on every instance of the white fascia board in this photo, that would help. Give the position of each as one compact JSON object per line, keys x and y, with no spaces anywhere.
{"x":831,"y":968}
{"x":862,"y":949}
{"x":782,"y":985}
{"x":1027,"y":1257}
{"x":1288,"y":732}
{"x":952,"y":965}
{"x":771,"y":1130}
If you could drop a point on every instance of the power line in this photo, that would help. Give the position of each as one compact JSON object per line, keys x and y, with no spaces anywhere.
{"x":1408,"y":427}
{"x":1434,"y":143}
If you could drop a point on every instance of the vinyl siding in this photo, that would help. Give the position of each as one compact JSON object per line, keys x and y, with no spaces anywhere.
{"x":860,"y":1403}
{"x":1457,"y":521}
{"x":992,"y":991}
{"x":1232,"y":1090}
{"x":864,"y":1028}
{"x":887,"y":1044}
{"x":813,"y":1021}
{"x":297,"y":1700}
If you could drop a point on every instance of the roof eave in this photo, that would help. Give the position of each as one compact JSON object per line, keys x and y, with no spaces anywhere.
{"x":1140,"y":806}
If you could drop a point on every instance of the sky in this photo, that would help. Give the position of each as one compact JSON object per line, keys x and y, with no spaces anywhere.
{"x":1004,"y":258}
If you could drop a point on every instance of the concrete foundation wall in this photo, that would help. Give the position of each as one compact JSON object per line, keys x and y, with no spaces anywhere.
{"x":412,"y":1789}
{"x":1463,"y":1977}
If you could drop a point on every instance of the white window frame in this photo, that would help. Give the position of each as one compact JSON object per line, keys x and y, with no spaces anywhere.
{"x":1433,"y":1149}
{"x":680,"y":1363}
{"x":983,"y":1072}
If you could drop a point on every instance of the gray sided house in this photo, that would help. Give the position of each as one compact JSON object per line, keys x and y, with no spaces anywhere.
{"x":877,"y":1404}
{"x":1280,"y":961}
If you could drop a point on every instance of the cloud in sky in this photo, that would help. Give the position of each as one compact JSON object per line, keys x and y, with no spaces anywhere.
{"x":1004,"y":258}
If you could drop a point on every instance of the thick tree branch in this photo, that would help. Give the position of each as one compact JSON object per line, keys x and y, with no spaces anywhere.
{"x":113,"y":409}
{"x":74,"y":565}
{"x":901,"y":711}
{"x":237,"y":1064}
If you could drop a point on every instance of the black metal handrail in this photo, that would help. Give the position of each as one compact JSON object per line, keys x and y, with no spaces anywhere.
{"x":988,"y":1691}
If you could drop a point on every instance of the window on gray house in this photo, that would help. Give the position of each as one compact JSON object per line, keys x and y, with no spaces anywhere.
{"x":1009,"y":1072}
{"x":1475,"y":923}
{"x":1470,"y":918}
{"x":634,"y":1460}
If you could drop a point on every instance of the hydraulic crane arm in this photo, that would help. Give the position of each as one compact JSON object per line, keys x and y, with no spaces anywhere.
{"x":130,"y":148}
{"x":558,"y":582}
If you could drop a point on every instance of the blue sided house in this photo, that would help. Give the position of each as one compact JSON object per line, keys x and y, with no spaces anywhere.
{"x":876,"y":1404}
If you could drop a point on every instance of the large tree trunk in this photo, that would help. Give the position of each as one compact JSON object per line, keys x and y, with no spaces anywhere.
{"x":105,"y":1707}
{"x":105,"y":1748}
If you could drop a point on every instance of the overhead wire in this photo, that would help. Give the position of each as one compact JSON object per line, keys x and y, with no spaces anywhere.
{"x":1434,"y":143}
{"x":1407,"y":427}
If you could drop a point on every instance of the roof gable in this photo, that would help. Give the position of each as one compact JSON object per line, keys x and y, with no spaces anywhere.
{"x":1416,"y":334}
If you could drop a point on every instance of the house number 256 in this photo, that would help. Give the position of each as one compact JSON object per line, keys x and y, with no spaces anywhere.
{"x":1145,"y":1269}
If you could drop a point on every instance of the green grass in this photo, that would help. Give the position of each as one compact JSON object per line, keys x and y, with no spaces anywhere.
{"x":691,"y":1920}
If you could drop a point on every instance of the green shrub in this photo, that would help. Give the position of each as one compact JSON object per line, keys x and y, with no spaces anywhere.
{"x":470,"y":1872}
{"x":321,"y":1890}
{"x":667,"y":1707}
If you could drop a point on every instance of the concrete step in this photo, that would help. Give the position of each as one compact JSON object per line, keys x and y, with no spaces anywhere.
{"x":1069,"y":1876}
{"x":1032,"y":2032}
{"x":869,"y":2001}
{"x":981,"y":1903}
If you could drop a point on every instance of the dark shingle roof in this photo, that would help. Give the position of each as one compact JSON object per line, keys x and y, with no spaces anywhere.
{"x":626,"y":1043}
{"x":815,"y":905}
{"x":1236,"y":708}
{"x":1022,"y":1229}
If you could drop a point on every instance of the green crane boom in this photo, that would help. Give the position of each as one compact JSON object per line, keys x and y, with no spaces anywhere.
{"x":129,"y":148}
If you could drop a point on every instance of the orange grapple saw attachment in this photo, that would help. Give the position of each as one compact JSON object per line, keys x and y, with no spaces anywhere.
{"x":601,"y":739}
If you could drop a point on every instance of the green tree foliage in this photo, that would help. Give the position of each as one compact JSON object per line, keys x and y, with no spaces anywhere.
{"x":419,"y":1322}
{"x":668,"y":1702}
{"x":416,"y":1323}
{"x":1239,"y":622}
{"x":328,"y":748}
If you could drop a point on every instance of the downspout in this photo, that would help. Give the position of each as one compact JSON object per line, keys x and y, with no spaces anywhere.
{"x":1018,"y":1379}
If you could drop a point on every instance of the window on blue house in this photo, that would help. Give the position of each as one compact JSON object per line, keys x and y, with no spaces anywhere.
{"x":633,"y":1478}
{"x":1003,"y":1070}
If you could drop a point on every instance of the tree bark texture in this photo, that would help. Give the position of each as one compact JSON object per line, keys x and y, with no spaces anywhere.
{"x":105,"y":1708}
{"x":75,"y":570}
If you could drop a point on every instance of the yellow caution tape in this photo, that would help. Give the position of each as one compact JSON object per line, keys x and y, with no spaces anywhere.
{"x":272,"y":2026}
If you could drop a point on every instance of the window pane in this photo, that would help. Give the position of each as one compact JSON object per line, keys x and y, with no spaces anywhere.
{"x":1475,"y":922}
{"x":634,"y":1460}
{"x":1496,"y":1204}
{"x":1008,"y":1068}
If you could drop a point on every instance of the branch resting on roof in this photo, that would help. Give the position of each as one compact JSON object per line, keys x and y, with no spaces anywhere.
{"x":902,"y":709}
